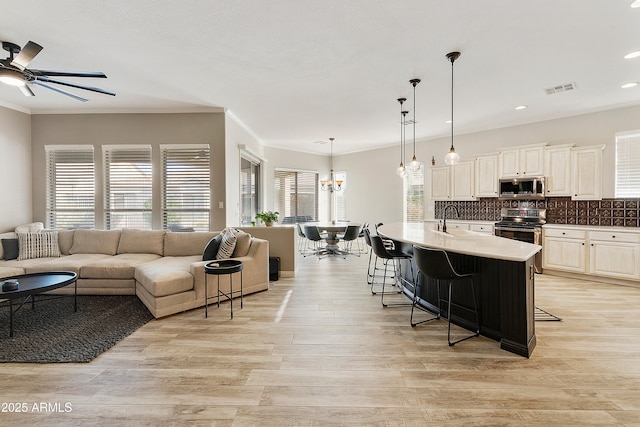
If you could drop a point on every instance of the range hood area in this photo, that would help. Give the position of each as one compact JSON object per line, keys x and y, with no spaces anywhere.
{"x":521,"y":188}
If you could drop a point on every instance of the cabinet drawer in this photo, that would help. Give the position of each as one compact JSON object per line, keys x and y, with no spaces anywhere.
{"x":566,"y":233}
{"x":613,"y":236}
{"x":482,"y":228}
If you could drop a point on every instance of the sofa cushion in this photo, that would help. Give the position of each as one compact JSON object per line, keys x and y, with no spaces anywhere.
{"x":38,"y":245}
{"x":243,"y":243}
{"x":227,"y":245}
{"x":166,"y":276}
{"x":141,"y":242}
{"x":186,"y":244}
{"x":116,"y":267}
{"x":10,"y":248}
{"x":65,"y":241}
{"x":95,"y":242}
{"x":211,"y":250}
{"x":64,"y":263}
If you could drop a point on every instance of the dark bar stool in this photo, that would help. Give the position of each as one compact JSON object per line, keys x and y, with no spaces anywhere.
{"x":435,"y":263}
{"x":389,"y":255}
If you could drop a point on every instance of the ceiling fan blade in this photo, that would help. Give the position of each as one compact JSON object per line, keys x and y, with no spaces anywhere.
{"x":62,"y":91}
{"x":26,"y":90}
{"x":96,"y":74}
{"x":26,"y":55}
{"x":60,"y":82}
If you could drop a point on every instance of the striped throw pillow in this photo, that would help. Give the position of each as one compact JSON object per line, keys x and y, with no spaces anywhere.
{"x":227,"y":245}
{"x":38,"y":245}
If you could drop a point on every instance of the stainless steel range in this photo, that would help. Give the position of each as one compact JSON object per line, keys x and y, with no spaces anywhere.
{"x":523,"y":224}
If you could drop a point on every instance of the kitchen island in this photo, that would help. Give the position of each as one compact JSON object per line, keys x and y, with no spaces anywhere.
{"x":504,"y":281}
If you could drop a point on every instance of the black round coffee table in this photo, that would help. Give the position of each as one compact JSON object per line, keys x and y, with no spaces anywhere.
{"x":29,"y":285}
{"x":218,"y":268}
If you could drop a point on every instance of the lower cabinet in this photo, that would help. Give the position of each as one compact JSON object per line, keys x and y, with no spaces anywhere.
{"x":605,"y":253}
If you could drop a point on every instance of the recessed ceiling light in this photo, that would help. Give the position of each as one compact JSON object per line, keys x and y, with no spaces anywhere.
{"x":628,"y":85}
{"x":632,"y":55}
{"x":635,"y":4}
{"x":521,"y":107}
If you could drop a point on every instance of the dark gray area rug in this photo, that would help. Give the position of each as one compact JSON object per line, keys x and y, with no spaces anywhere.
{"x":54,"y":333}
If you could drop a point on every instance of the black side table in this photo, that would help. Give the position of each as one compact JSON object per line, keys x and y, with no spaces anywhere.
{"x":223,"y":266}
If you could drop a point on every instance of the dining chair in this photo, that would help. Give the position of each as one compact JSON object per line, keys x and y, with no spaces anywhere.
{"x":303,"y":243}
{"x":435,"y":264}
{"x":312,"y":233}
{"x":350,"y":235}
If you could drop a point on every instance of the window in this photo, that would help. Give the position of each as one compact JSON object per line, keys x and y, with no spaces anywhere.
{"x":70,"y":192}
{"x":414,"y":196}
{"x":341,"y":196}
{"x":296,"y":195}
{"x":186,"y":187}
{"x":127,"y":187}
{"x":249,"y":190}
{"x":628,"y":164}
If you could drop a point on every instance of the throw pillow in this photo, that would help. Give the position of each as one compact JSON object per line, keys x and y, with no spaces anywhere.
{"x":227,"y":245}
{"x":95,"y":242}
{"x":243,"y":243}
{"x":38,"y":245}
{"x":10,"y":248}
{"x":211,"y":250}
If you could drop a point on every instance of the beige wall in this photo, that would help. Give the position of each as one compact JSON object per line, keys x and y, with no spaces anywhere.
{"x":114,"y":129}
{"x":15,"y":169}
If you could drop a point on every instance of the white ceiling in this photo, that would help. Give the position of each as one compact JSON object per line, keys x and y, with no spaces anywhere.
{"x":299,"y":71}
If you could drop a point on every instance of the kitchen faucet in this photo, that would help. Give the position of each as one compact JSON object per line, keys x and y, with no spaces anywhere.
{"x":444,"y":216}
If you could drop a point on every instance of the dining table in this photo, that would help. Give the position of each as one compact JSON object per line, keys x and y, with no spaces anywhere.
{"x":333,"y":229}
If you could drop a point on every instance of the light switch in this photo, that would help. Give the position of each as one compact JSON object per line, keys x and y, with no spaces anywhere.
{"x":221,"y":205}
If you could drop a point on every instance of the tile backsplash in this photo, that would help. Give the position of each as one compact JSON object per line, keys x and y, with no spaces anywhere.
{"x":560,"y":210}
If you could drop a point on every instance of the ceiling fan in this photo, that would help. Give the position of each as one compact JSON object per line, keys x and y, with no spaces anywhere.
{"x":14,"y":72}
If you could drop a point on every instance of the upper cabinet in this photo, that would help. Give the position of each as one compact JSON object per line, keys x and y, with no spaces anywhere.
{"x":586,"y":177}
{"x":455,"y":182}
{"x":487,"y":175}
{"x":522,"y":161}
{"x":557,"y":165}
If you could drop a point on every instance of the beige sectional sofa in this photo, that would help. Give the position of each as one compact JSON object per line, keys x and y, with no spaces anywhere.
{"x":164,"y":269}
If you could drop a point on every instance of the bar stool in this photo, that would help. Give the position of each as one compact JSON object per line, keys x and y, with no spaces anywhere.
{"x":435,"y":263}
{"x":389,"y":255}
{"x":371,"y":271}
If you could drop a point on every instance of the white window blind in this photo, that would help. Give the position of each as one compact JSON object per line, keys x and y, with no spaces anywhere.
{"x":127,"y":187}
{"x":628,"y":164}
{"x":414,"y":195}
{"x":186,"y":187}
{"x":341,"y":196}
{"x":296,"y":195}
{"x":70,"y":198}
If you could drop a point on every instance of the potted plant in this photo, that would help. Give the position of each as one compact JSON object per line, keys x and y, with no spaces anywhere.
{"x":268,"y":217}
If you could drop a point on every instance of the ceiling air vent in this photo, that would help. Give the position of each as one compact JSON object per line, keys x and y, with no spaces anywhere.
{"x":560,"y":88}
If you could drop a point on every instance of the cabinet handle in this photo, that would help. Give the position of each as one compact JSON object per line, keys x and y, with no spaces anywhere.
{"x":563,"y":233}
{"x":583,"y":244}
{"x":592,"y":244}
{"x":613,"y":237}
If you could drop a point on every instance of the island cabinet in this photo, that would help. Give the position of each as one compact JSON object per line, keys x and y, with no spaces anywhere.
{"x":522,"y":161}
{"x":564,"y":249}
{"x":614,"y":254}
{"x":504,"y":281}
{"x":454,"y":182}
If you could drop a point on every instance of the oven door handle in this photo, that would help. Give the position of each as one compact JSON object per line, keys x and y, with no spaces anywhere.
{"x":526,"y":230}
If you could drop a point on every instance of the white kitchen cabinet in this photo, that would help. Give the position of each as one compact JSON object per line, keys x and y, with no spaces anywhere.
{"x":586,"y":179}
{"x":522,"y":161}
{"x":453,"y":182}
{"x":486,"y":170}
{"x":614,"y":254}
{"x":557,"y":165}
{"x":564,"y":249}
{"x":440,"y":183}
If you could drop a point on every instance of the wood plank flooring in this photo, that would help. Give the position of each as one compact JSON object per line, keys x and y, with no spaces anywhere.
{"x":319,"y":350}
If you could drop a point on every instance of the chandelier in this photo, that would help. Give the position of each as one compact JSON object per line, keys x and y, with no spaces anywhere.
{"x":332,"y":184}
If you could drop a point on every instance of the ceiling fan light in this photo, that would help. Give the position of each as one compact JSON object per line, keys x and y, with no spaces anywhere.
{"x":11,"y":77}
{"x":452,"y":158}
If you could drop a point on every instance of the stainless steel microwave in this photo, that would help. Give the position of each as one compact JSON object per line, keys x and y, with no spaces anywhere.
{"x":521,"y":188}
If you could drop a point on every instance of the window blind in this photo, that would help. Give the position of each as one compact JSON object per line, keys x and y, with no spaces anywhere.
{"x":296,"y":194}
{"x":127,"y":187}
{"x":186,"y":187}
{"x":70,"y":191}
{"x":414,"y":195}
{"x":627,"y":164}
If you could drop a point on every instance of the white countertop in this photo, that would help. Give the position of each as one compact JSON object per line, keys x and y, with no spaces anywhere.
{"x":460,"y":241}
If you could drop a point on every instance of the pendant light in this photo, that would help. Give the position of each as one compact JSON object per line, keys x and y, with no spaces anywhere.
{"x":401,"y":171}
{"x":452,"y":158}
{"x":414,"y":165}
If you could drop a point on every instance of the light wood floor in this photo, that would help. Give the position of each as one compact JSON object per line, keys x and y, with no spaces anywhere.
{"x":319,"y":350}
